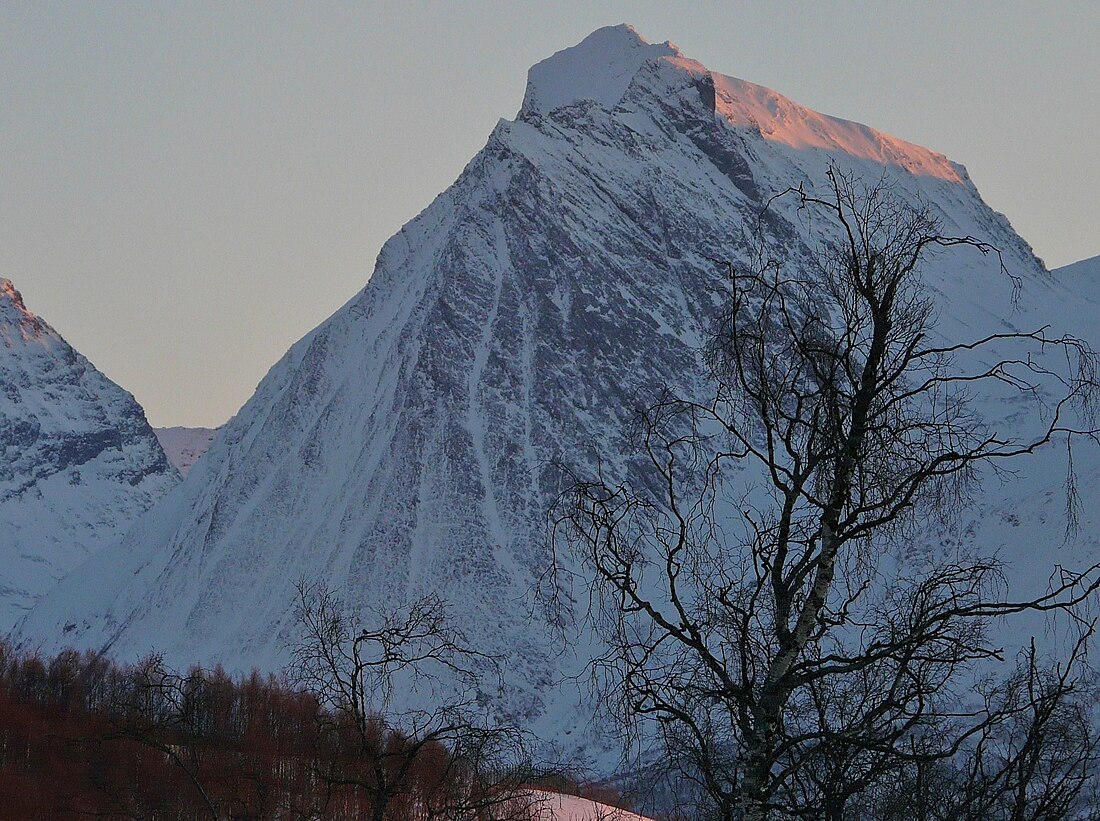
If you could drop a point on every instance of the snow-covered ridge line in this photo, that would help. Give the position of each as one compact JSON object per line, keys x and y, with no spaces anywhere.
{"x":1084,"y":268}
{"x":782,"y":120}
{"x":602,"y":66}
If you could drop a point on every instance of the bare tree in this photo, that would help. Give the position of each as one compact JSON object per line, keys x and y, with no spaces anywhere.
{"x":159,"y":708}
{"x":747,"y":579}
{"x":1036,"y":762}
{"x":436,"y":740}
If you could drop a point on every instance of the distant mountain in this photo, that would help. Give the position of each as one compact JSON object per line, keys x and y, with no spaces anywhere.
{"x":1082,"y":280}
{"x":1083,"y":275}
{"x":184,"y":446}
{"x":1084,"y":268}
{"x":408,"y":444}
{"x":79,"y":462}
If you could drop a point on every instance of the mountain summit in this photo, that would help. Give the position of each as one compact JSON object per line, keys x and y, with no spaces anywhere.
{"x":410,"y":443}
{"x":79,"y":460}
{"x":602,"y":67}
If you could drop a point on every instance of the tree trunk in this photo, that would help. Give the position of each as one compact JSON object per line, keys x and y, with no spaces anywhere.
{"x":758,"y":768}
{"x":378,"y":804}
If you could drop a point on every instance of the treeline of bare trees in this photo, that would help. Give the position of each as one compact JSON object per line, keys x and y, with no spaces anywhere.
{"x":81,"y":736}
{"x":84,"y":737}
{"x":384,"y":720}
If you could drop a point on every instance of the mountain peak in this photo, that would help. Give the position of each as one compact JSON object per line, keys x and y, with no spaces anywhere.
{"x":13,"y":310}
{"x":602,"y":67}
{"x":598,"y":68}
{"x":8,"y":294}
{"x":78,"y":460}
{"x":411,"y":443}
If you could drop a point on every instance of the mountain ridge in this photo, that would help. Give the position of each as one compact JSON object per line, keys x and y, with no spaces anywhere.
{"x":1088,"y":267}
{"x":600,"y":68}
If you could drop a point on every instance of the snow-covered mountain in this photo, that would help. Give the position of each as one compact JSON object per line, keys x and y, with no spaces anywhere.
{"x":1087,"y":268}
{"x":409,"y":443}
{"x":1081,"y":277}
{"x":185,"y":446}
{"x":79,"y":462}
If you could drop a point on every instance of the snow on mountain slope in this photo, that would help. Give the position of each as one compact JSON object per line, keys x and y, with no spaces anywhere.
{"x":409,"y":443}
{"x":79,"y":460}
{"x":599,"y":69}
{"x":1085,"y":268}
{"x":185,"y":446}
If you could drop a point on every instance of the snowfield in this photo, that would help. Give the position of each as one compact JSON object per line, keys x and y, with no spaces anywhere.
{"x":559,"y":807}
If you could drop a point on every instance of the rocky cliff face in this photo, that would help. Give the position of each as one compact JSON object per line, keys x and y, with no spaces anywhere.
{"x":411,"y":442}
{"x":78,"y":461}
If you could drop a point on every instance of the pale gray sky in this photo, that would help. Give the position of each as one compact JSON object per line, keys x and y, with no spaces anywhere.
{"x":188,"y":188}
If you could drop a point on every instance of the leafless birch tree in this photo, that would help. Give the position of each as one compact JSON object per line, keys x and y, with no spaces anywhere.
{"x":747,"y":579}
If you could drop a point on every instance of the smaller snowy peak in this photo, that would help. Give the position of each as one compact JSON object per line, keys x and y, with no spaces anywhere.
{"x":185,"y":446}
{"x":599,"y":68}
{"x":78,"y":460}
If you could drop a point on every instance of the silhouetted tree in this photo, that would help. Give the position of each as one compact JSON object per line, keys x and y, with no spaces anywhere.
{"x":747,"y":580}
{"x":431,"y":753}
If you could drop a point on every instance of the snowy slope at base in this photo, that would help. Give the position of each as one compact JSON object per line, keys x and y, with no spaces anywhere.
{"x":78,"y":461}
{"x":549,"y":806}
{"x":410,"y":443}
